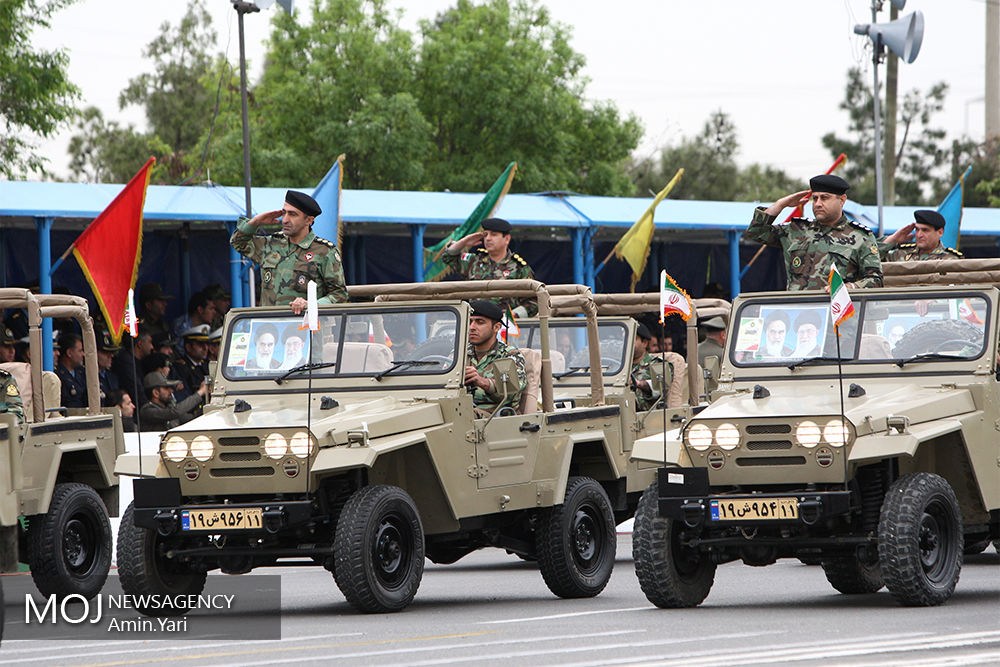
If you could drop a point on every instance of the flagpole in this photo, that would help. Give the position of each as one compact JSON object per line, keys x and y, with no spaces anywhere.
{"x":843,"y":418}
{"x":138,"y":418}
{"x":663,"y":387}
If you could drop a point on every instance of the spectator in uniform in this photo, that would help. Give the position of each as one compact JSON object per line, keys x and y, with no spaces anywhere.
{"x":153,"y":308}
{"x":70,"y":371}
{"x":192,"y":368}
{"x":7,"y":341}
{"x":106,"y":350}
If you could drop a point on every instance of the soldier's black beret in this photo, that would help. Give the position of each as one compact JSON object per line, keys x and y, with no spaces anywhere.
{"x":835,"y":185}
{"x":303,"y":202}
{"x":808,"y":317}
{"x":932,"y":218}
{"x":496,"y":225}
{"x":642,"y":331}
{"x":486,"y":309}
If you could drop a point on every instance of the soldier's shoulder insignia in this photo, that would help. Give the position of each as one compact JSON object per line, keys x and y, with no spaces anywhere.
{"x":858,"y":225}
{"x":482,"y":251}
{"x":874,"y":248}
{"x":326,"y":242}
{"x":952,"y":251}
{"x":180,"y":362}
{"x":519,"y":260}
{"x":12,"y":389}
{"x":4,"y":374}
{"x":276,"y":235}
{"x":907,"y":245}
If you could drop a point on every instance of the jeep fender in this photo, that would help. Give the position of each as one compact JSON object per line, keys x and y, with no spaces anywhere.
{"x":883,"y":445}
{"x":651,"y":450}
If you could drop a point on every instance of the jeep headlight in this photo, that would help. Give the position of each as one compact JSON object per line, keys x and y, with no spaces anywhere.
{"x":202,"y":448}
{"x":727,"y":436}
{"x":275,"y":446}
{"x":699,"y":437}
{"x":175,"y":448}
{"x":835,"y":433}
{"x":807,"y":434}
{"x":301,"y":444}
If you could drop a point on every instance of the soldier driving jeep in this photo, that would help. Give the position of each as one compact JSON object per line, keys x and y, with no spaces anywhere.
{"x":484,"y":349}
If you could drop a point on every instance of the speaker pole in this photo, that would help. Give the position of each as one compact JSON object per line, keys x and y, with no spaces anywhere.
{"x":876,"y":58}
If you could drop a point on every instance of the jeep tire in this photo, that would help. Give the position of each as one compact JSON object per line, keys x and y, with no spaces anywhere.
{"x":143,"y":569}
{"x":920,"y":540}
{"x":69,"y":548}
{"x":379,"y":549}
{"x":575,"y":542}
{"x":850,"y":574}
{"x":670,"y":574}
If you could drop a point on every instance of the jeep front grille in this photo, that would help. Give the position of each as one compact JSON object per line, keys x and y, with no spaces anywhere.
{"x":771,"y":461}
{"x":239,"y":441}
{"x":260,"y":471}
{"x":757,"y":445}
{"x":762,"y":429}
{"x":239,"y":456}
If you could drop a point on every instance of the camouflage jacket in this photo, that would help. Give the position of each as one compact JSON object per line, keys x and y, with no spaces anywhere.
{"x":490,"y":400}
{"x":806,"y":244}
{"x":477,"y":265}
{"x":156,"y":417}
{"x":642,"y":370}
{"x":10,"y":397}
{"x":286,"y":268}
{"x":907,"y":252}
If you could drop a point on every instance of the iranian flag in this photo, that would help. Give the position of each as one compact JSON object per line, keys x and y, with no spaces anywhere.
{"x":673,"y":300}
{"x":841,"y":305}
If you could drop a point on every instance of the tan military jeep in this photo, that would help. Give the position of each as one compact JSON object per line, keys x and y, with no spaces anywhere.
{"x":376,"y":459}
{"x":887,"y":471}
{"x":58,"y":486}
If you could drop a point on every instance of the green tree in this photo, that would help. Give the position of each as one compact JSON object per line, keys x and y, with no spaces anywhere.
{"x":499,"y":81}
{"x":340,"y":84}
{"x":178,"y":98}
{"x":710,"y":168}
{"x":36,"y":95}
{"x":922,"y":156}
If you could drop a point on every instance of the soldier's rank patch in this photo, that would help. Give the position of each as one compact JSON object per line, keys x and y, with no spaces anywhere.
{"x":267,"y":276}
{"x":11,"y":390}
{"x":796,"y":262}
{"x":309,"y":256}
{"x":302,"y":280}
{"x":506,"y":273}
{"x":874,"y":249}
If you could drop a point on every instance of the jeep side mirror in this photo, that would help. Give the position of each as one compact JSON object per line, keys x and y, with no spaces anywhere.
{"x":505,"y":376}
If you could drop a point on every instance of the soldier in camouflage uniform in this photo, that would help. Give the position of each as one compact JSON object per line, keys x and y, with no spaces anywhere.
{"x":807,"y":244}
{"x":928,"y":227}
{"x":10,"y":397}
{"x":494,"y":261}
{"x":289,"y":259}
{"x":641,"y":374}
{"x":484,"y":349}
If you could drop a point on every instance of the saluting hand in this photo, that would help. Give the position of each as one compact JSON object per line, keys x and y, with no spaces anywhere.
{"x":266,"y":218}
{"x":795,"y":199}
{"x":902,"y":234}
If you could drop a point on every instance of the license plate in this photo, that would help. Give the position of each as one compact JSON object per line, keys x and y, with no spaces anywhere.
{"x":755,"y":509}
{"x":234,"y":518}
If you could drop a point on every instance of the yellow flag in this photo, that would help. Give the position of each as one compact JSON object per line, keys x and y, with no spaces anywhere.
{"x":633,"y":247}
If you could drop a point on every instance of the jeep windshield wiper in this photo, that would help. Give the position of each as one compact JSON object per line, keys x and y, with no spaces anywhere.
{"x":405,"y":363}
{"x":812,"y":360}
{"x":305,"y":367}
{"x":928,"y":355}
{"x":573,"y":370}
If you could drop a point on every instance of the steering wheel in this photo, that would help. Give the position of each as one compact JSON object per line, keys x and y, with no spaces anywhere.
{"x":960,"y":341}
{"x":608,"y":362}
{"x":438,"y":358}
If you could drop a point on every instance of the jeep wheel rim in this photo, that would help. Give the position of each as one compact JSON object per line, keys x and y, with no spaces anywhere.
{"x":936,"y":541}
{"x":391,"y":551}
{"x":585,"y":534}
{"x":79,"y":541}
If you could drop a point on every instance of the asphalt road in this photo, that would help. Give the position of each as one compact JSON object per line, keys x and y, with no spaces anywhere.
{"x":491,"y":608}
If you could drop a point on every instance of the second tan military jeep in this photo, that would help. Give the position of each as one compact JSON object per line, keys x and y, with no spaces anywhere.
{"x":58,"y":487}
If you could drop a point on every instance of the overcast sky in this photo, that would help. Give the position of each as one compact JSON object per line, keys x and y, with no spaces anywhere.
{"x":778,"y":67}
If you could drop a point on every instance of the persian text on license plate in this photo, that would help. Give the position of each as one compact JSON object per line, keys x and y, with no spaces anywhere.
{"x":235,"y":518}
{"x":756,"y":509}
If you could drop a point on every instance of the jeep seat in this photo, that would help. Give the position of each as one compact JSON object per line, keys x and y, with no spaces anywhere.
{"x":874,"y":346}
{"x":51,"y":386}
{"x":360,"y":357}
{"x":533,"y":369}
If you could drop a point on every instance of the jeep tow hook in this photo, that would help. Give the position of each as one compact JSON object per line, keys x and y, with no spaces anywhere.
{"x":810,"y":510}
{"x":274,"y":519}
{"x":694,"y":512}
{"x":166,"y":522}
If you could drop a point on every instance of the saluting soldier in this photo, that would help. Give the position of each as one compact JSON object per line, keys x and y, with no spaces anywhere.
{"x":289,"y":259}
{"x":484,"y":349}
{"x":641,"y":374}
{"x":809,"y":246}
{"x":10,"y":397}
{"x":494,"y":261}
{"x":927,"y":229}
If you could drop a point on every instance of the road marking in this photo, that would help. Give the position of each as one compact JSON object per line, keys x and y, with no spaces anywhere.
{"x":528,"y":619}
{"x":409,"y":650}
{"x":277,"y":649}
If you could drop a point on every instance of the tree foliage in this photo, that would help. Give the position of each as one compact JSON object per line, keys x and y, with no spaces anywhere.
{"x":36,"y":95}
{"x":922,"y":154}
{"x":178,"y":98}
{"x":710,"y":168}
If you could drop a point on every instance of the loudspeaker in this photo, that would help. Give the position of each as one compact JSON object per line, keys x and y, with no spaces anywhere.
{"x":902,"y":36}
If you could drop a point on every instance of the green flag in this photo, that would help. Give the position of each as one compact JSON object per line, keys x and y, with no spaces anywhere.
{"x":434,"y":268}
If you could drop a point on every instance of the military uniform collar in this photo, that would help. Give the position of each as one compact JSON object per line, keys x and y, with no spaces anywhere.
{"x":480,"y":355}
{"x":307,"y":241}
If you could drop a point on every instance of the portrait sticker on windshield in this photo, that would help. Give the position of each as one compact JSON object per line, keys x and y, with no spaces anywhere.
{"x":748,"y":338}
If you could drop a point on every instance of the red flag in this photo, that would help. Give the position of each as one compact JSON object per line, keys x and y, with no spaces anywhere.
{"x":800,"y":210}
{"x":109,"y":248}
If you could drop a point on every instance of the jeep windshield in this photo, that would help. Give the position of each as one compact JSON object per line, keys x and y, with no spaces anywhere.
{"x":355,"y":342}
{"x":568,"y":348}
{"x":910,"y":328}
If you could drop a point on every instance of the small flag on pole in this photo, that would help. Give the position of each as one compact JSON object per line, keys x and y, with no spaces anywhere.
{"x":673,"y":300}
{"x":841,"y":306}
{"x":130,"y":318}
{"x":310,"y":318}
{"x":508,"y":327}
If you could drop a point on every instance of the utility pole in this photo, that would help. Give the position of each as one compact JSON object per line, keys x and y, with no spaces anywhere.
{"x":891,"y":79}
{"x":992,"y":69}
